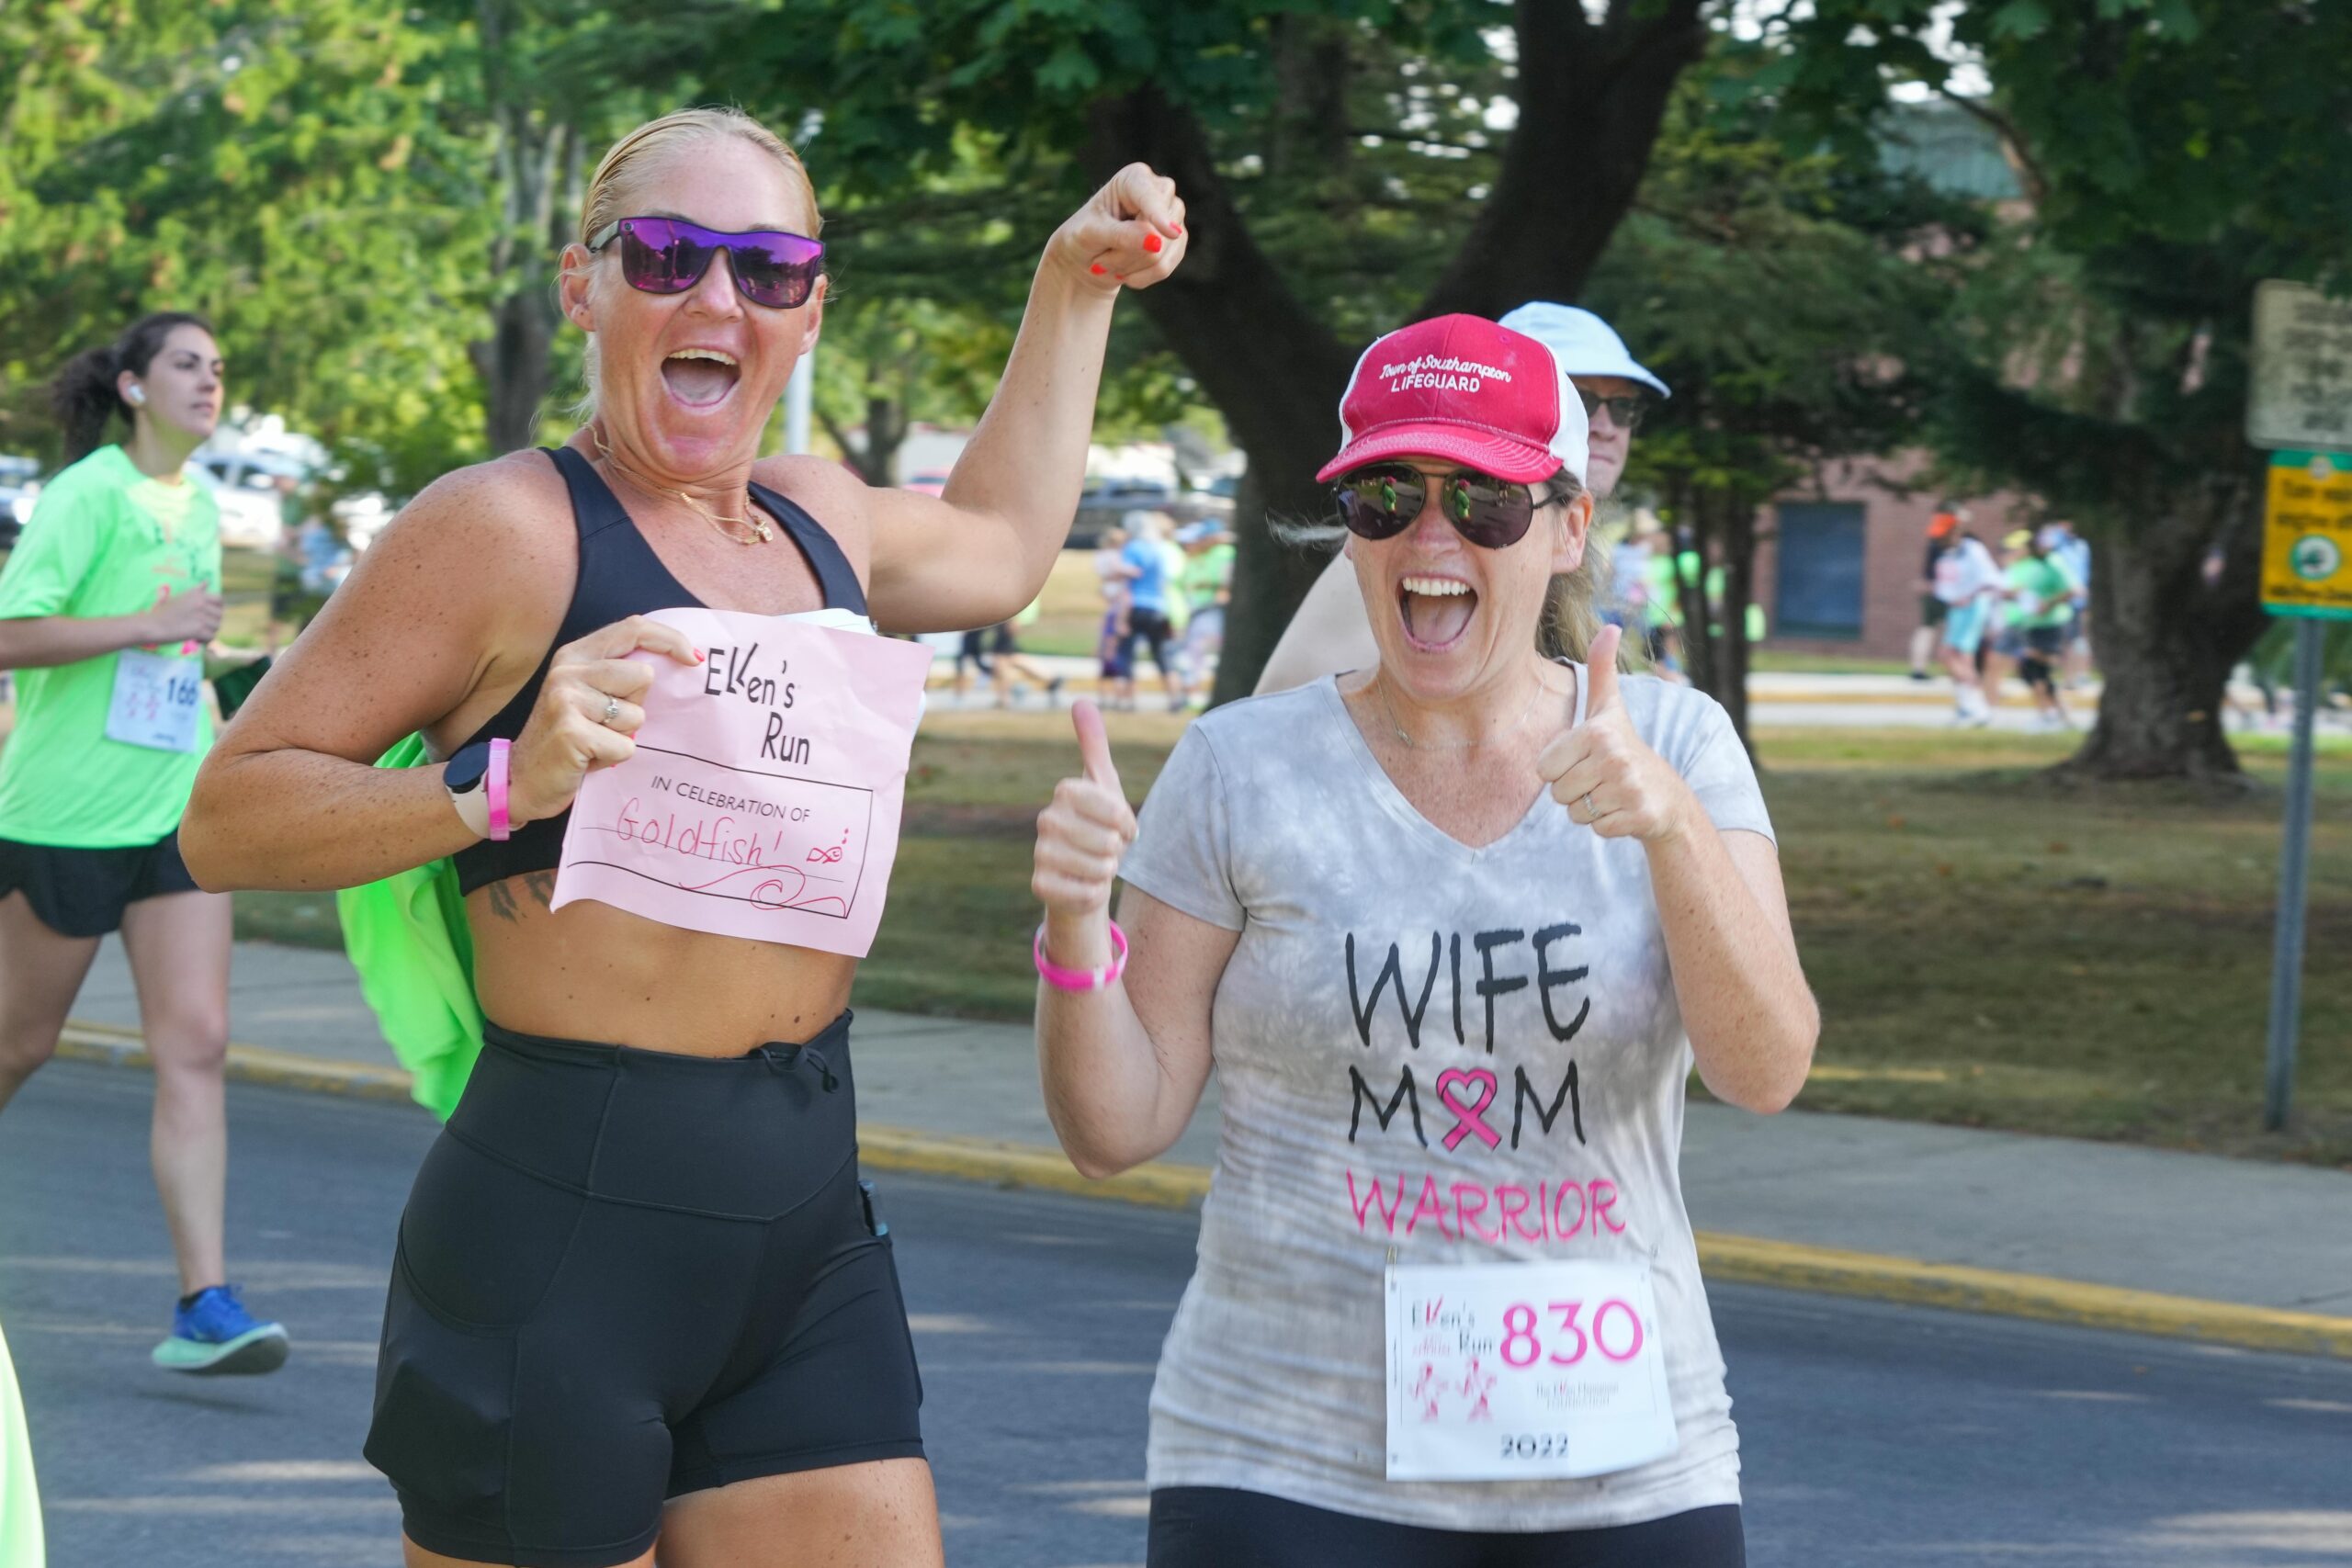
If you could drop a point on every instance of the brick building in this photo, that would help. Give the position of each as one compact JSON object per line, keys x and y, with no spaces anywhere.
{"x":1838,"y":567}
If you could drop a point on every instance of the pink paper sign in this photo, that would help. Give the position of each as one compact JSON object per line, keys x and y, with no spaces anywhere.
{"x":765,"y":796}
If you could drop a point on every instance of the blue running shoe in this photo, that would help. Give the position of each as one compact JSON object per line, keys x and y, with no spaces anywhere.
{"x":212,"y":1332}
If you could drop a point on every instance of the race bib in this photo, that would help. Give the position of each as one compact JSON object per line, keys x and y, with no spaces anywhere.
{"x":157,"y":700}
{"x":1508,"y":1372}
{"x":764,"y":796}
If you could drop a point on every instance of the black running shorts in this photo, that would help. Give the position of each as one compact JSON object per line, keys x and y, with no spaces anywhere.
{"x":625,"y":1275}
{"x":84,"y":892}
{"x":1151,"y":628}
{"x":1218,"y":1527}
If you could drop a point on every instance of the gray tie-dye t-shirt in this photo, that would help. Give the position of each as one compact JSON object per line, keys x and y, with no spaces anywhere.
{"x":1376,"y":956}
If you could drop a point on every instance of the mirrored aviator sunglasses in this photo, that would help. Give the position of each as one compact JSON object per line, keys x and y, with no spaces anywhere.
{"x":1381,"y":503}
{"x":669,"y":256}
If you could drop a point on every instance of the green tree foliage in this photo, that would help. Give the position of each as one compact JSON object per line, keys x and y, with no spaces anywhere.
{"x":2174,"y":152}
{"x":1349,"y":165}
{"x":243,"y":159}
{"x":1792,"y":300}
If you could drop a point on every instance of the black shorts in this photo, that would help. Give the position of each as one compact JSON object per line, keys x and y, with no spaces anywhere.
{"x":2045,"y":642}
{"x":1216,"y":1527}
{"x":1002,"y":640}
{"x":626,"y":1275}
{"x":84,"y":892}
{"x":1151,"y":628}
{"x":1932,"y":609}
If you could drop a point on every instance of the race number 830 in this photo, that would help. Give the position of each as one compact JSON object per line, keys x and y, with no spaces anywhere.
{"x":1614,"y":1329}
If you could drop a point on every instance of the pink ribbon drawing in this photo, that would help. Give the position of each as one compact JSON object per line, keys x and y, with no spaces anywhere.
{"x":1471,"y":1118}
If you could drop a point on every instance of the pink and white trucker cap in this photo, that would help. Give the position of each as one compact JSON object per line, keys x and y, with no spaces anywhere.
{"x":1463,"y":388}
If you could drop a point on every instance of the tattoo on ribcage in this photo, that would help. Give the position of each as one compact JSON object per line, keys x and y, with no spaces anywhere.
{"x":542,"y":887}
{"x":501,"y":903}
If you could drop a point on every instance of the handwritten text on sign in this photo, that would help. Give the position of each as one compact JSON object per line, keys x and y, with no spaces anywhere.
{"x":1515,"y":1371}
{"x":764,"y":797}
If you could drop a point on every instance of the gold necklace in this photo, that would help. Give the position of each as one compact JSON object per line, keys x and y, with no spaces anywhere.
{"x":1413,"y":745}
{"x":761,"y":530}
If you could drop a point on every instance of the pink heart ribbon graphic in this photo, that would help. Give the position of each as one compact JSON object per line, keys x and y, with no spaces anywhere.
{"x":1468,"y":1118}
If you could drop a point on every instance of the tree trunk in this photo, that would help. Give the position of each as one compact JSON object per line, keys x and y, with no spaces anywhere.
{"x":1714,"y":637}
{"x":2167,"y":639}
{"x":876,"y":459}
{"x":1592,"y":95}
{"x":537,"y":163}
{"x":1269,"y":580}
{"x":513,"y":363}
{"x":1732,"y":649}
{"x":1271,"y":367}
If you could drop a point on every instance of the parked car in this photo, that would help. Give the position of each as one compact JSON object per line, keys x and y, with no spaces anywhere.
{"x":251,"y":518}
{"x":19,"y":487}
{"x":1105,"y":502}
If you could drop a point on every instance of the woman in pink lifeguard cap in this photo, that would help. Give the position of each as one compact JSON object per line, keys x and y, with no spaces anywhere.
{"x":1452,"y":929}
{"x":1329,"y":634}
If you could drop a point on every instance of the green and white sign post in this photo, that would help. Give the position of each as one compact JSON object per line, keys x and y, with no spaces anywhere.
{"x":2300,"y":408}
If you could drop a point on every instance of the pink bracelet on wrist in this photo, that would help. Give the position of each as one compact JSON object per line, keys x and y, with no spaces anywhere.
{"x":1063,"y":979}
{"x":493,"y":789}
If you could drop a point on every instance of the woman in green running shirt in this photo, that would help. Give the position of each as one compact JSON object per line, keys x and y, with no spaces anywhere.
{"x":104,"y":607}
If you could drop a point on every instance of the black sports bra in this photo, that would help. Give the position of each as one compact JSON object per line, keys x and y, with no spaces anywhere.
{"x":620,"y":576}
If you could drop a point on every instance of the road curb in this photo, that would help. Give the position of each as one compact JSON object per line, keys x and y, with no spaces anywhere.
{"x":1753,"y":1260}
{"x":247,"y":1063}
{"x":1909,"y":1282}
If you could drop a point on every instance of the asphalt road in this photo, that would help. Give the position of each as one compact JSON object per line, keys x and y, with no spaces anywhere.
{"x":1874,"y":1435}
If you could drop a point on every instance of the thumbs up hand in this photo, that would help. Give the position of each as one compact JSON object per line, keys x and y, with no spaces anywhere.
{"x":1082,"y":834}
{"x":1605,"y":773}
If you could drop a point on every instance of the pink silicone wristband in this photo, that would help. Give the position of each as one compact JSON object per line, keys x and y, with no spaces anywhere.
{"x":493,"y":787}
{"x":1063,"y":979}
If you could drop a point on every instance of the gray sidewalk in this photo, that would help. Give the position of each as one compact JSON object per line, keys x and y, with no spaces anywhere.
{"x":2195,"y":1225}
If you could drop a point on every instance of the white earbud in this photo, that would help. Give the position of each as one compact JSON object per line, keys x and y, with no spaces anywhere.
{"x":138,"y":396}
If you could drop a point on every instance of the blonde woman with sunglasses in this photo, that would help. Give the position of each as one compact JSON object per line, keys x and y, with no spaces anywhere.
{"x":639,"y":1295}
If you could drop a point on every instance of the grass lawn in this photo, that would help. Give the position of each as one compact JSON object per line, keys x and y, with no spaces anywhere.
{"x":1988,"y":950}
{"x":1777,"y":661}
{"x":1069,"y":610}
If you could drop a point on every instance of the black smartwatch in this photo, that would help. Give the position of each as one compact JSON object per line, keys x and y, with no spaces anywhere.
{"x":463,"y":775}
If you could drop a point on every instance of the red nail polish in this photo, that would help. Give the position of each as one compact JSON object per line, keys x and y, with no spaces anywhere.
{"x":1177,"y":230}
{"x":1098,"y":269}
{"x":1151,"y":242}
{"x":699,"y":659}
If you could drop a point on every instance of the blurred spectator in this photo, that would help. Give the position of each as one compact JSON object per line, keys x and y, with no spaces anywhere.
{"x":2041,"y":597}
{"x":1006,"y":659}
{"x":1629,"y":561}
{"x":1943,"y":533}
{"x":1152,"y":600}
{"x":1966,"y":582}
{"x":1111,"y":647}
{"x":1206,"y":585}
{"x":312,"y":559}
{"x":2072,"y":552}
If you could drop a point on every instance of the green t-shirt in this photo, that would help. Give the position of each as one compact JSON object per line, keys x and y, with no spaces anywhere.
{"x":2042,"y":578}
{"x":20,"y":1532}
{"x":1662,"y":606}
{"x":103,"y":540}
{"x":1205,"y":575}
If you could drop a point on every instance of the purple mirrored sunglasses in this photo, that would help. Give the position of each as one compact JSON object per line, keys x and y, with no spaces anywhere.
{"x":669,"y":256}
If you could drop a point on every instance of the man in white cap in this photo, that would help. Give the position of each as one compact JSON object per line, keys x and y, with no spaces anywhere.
{"x":1329,"y":634}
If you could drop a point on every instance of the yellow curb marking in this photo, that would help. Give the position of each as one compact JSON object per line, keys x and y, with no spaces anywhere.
{"x":1797,"y":1267}
{"x":1166,"y":1185}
